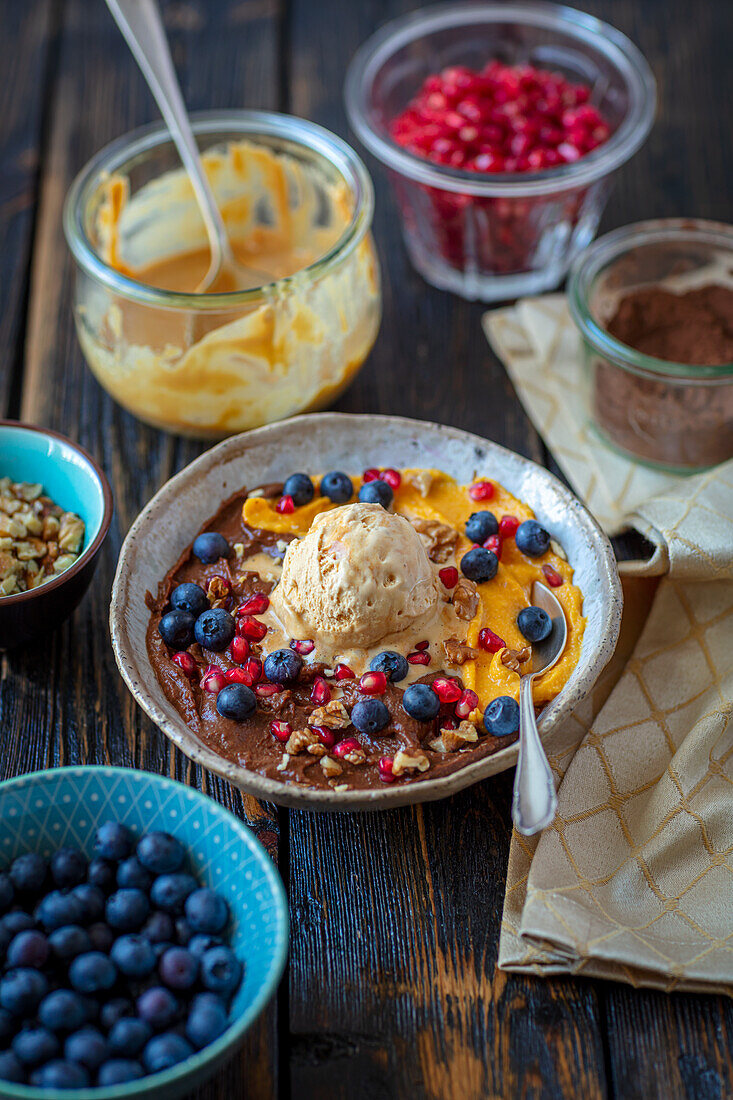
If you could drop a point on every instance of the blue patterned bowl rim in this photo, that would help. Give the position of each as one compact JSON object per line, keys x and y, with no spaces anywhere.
{"x":235,"y":1032}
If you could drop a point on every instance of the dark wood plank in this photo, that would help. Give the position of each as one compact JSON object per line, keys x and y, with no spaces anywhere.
{"x":63,"y":700}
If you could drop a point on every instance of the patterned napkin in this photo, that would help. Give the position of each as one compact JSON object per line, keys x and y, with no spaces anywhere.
{"x":634,"y":879}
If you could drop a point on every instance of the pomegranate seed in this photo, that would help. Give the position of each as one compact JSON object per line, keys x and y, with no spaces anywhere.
{"x":343,"y":672}
{"x":281,"y":730}
{"x":251,"y":628}
{"x":255,"y":605}
{"x":489,"y":641}
{"x":285,"y":506}
{"x":326,"y":736}
{"x":422,"y":645}
{"x":448,"y":691}
{"x":238,"y":676}
{"x":385,"y":769}
{"x":303,"y":648}
{"x":185,"y":662}
{"x":508,"y":527}
{"x":239,"y":650}
{"x":494,"y":544}
{"x":266,"y":690}
{"x":481,"y":490}
{"x":213,"y":680}
{"x":321,"y":692}
{"x":349,"y":744}
{"x":553,"y":578}
{"x":253,"y":668}
{"x":373,"y":683}
{"x":449,"y":576}
{"x":419,"y":658}
{"x":372,"y":474}
{"x":448,"y":724}
{"x":392,"y":477}
{"x":467,"y":702}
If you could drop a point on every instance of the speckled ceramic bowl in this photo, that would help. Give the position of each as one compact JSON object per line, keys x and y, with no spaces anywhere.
{"x":45,"y":810}
{"x":327,"y":441}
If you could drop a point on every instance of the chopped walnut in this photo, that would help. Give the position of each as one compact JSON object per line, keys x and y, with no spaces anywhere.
{"x":334,"y":716}
{"x":355,"y":757}
{"x":71,"y":533}
{"x":451,"y":740}
{"x":513,"y":658}
{"x":422,"y":481}
{"x":457,"y":652}
{"x":305,"y":741}
{"x":284,"y":762}
{"x":466,"y":599}
{"x":38,"y":540}
{"x":403,"y":762}
{"x":238,"y":549}
{"x":439,"y":539}
{"x":218,"y":591}
{"x":330,"y":766}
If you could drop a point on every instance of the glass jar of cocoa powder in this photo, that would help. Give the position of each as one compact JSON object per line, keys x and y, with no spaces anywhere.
{"x":654,"y":305}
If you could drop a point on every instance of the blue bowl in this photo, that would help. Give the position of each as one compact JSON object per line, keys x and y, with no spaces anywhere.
{"x":74,"y":481}
{"x":46,"y":810}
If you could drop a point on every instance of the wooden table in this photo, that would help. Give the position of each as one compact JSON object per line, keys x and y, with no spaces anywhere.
{"x":391,"y":989}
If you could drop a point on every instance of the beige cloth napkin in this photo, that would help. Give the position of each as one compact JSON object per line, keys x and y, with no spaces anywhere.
{"x":634,"y":879}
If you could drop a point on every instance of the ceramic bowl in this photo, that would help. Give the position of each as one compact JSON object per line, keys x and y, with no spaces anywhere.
{"x":328,"y":441}
{"x":73,"y":480}
{"x":46,"y":810}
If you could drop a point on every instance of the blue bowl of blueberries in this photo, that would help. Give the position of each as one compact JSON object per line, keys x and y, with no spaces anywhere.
{"x":142,"y":930}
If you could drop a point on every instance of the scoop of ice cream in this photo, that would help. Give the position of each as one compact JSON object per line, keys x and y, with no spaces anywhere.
{"x":360,"y":574}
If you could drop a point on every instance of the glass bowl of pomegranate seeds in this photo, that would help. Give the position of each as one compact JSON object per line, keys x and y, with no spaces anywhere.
{"x":501,"y":126}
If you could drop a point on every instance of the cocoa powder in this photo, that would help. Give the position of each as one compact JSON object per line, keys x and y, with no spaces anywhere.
{"x":695,"y":327}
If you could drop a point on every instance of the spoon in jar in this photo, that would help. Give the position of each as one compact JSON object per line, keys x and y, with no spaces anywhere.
{"x":535,"y":802}
{"x":141,"y":24}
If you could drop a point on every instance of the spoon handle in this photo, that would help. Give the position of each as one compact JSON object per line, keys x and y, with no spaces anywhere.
{"x":141,"y":24}
{"x":535,"y":802}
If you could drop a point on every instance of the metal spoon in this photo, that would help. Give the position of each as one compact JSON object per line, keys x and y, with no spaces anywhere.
{"x":141,"y":24}
{"x":535,"y":802}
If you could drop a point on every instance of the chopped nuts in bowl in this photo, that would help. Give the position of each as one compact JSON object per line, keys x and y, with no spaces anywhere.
{"x":38,"y":539}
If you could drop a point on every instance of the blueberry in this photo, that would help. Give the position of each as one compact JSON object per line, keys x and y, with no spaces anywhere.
{"x":119,"y":1008}
{"x":63,"y":1010}
{"x":501,"y":716}
{"x":34,"y":1045}
{"x":169,"y":892}
{"x":393,"y":665}
{"x":479,"y":565}
{"x":376,"y":492}
{"x":68,"y":942}
{"x":480,"y":526}
{"x":221,"y":970}
{"x":176,"y":628}
{"x":128,"y":1036}
{"x":133,"y":956}
{"x":118,"y":1071}
{"x":178,"y":968}
{"x":370,"y":715}
{"x":92,"y":973}
{"x":88,"y":1047}
{"x":183,"y":931}
{"x":200,"y":943}
{"x":337,"y":487}
{"x":283,"y":666}
{"x":214,"y":629}
{"x":300,"y":488}
{"x":534,"y":623}
{"x":421,"y":702}
{"x":210,"y":546}
{"x":29,"y":948}
{"x":207,"y":1020}
{"x":101,"y":873}
{"x":236,"y":701}
{"x":190,"y":597}
{"x":28,"y":873}
{"x":127,"y":910}
{"x":91,"y":899}
{"x":113,"y":841}
{"x":158,"y":1007}
{"x":12,"y":923}
{"x":68,"y":867}
{"x":131,"y":873}
{"x":161,"y":853}
{"x":11,"y":1069}
{"x":532,"y":539}
{"x":22,"y":989}
{"x":7,"y":892}
{"x":207,"y":911}
{"x":60,"y":1074}
{"x":158,"y":927}
{"x":57,"y":909}
{"x":101,"y":935}
{"x":164,"y":1051}
{"x":7,"y":1027}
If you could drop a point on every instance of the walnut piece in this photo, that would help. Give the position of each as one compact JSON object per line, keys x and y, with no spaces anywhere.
{"x":305,"y":741}
{"x":457,"y":652}
{"x":38,"y":539}
{"x":403,"y":762}
{"x":330,"y":766}
{"x":438,"y":539}
{"x":513,"y":658}
{"x":355,"y":757}
{"x":466,"y":599}
{"x":334,"y":716}
{"x":451,"y":740}
{"x":422,"y":481}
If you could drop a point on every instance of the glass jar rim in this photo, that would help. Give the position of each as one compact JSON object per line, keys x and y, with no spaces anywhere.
{"x":611,"y":247}
{"x":623,"y":143}
{"x":245,"y":123}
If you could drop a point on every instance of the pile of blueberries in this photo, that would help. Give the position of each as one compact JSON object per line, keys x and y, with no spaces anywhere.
{"x":110,"y":968}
